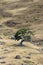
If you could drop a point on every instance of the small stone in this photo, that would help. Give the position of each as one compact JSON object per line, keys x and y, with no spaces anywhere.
{"x":22,"y":64}
{"x":28,"y":57}
{"x":0,"y":25}
{"x":1,"y":38}
{"x":2,"y":62}
{"x":17,"y":57}
{"x":2,"y":43}
{"x":5,"y":50}
{"x":2,"y":57}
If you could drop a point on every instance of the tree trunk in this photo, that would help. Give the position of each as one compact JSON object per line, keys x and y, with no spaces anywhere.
{"x":21,"y":43}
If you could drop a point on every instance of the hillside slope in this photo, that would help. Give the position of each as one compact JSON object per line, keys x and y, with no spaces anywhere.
{"x":21,"y":13}
{"x":16,"y":14}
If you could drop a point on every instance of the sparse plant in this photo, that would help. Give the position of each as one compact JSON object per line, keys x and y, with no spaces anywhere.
{"x":29,"y":62}
{"x":23,"y":34}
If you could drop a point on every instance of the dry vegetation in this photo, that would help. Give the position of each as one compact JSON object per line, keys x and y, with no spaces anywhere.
{"x":15,"y":14}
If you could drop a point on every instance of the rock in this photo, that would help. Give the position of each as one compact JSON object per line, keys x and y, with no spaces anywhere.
{"x":6,"y":14}
{"x":10,"y":23}
{"x":2,"y":43}
{"x":12,"y":38}
{"x":5,"y":51}
{"x":17,"y":57}
{"x":3,"y":62}
{"x":28,"y":57}
{"x":2,"y":57}
{"x":41,"y":50}
{"x":1,"y":25}
{"x":1,"y":38}
{"x":22,"y":64}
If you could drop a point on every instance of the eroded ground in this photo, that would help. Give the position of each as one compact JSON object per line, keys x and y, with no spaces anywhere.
{"x":29,"y":54}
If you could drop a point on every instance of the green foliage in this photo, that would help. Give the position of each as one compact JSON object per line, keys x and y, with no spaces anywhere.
{"x":23,"y":34}
{"x":20,"y":33}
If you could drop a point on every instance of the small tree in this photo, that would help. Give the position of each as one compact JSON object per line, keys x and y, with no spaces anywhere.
{"x":23,"y":34}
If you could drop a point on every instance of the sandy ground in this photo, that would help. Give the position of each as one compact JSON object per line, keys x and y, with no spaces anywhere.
{"x":28,"y":13}
{"x":8,"y":52}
